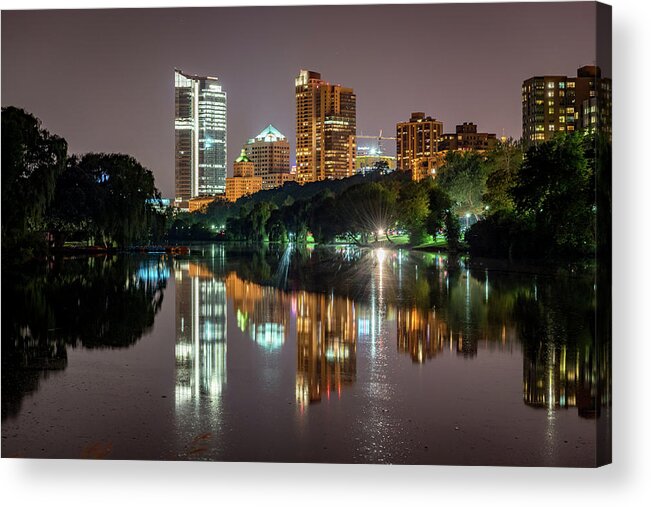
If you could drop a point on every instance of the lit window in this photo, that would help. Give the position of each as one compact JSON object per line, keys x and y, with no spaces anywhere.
{"x":561,"y":85}
{"x":550,"y":84}
{"x":551,"y":128}
{"x":550,"y":94}
{"x":551,"y":110}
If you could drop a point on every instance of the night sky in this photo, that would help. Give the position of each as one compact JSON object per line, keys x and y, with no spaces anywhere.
{"x":103,"y":79}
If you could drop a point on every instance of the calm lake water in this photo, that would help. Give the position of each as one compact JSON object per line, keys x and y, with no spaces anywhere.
{"x":317,"y":355}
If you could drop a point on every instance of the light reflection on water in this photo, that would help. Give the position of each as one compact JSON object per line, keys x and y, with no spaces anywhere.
{"x":389,"y":349}
{"x":329,"y":327}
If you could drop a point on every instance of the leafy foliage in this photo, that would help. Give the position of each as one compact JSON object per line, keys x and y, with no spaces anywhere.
{"x":32,"y":160}
{"x":99,"y":198}
{"x":463,"y":178}
{"x":503,"y":163}
{"x":555,"y":188}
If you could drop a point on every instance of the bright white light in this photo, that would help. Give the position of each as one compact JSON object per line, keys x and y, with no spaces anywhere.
{"x":381,"y":254}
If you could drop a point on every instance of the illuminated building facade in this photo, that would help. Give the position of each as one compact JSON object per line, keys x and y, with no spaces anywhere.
{"x":325,"y":129}
{"x":552,"y":104}
{"x":596,"y":112}
{"x":269,"y":152}
{"x":244,"y":182}
{"x":201,"y":203}
{"x":200,"y":137}
{"x":274,"y":180}
{"x":417,"y":145}
{"x":466,"y":137}
{"x":200,"y":332}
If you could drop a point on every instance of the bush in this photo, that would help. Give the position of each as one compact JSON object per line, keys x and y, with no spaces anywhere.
{"x":503,"y":234}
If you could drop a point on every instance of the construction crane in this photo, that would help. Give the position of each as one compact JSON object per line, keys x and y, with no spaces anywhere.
{"x":379,"y":138}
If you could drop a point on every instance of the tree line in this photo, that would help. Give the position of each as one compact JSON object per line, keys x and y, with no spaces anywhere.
{"x":542,"y":201}
{"x":50,"y":197}
{"x":363,"y":211}
{"x":539,"y":202}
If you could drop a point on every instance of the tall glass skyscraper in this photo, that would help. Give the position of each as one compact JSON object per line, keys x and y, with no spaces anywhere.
{"x":200,"y":132}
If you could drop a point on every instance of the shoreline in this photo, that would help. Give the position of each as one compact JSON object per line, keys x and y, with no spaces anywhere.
{"x":546,"y":267}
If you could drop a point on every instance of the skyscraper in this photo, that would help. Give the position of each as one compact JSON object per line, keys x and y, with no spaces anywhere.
{"x":269,"y":152}
{"x":552,"y":104}
{"x":325,"y":129}
{"x":417,"y":145}
{"x":200,"y":133}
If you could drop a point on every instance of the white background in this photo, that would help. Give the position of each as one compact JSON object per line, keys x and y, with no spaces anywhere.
{"x":626,"y":482}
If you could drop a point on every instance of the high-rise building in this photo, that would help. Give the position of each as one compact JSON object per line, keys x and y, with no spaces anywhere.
{"x":417,"y":145}
{"x":466,"y":137}
{"x":200,"y":133}
{"x":596,"y":112}
{"x":269,"y":152}
{"x":244,"y":182}
{"x":325,"y":129}
{"x":552,"y":104}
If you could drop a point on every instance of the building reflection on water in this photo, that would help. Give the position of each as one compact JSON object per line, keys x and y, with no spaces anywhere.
{"x":434,"y":308}
{"x":563,"y":377}
{"x":200,"y":332}
{"x":262,"y":312}
{"x":421,"y":334}
{"x":326,"y":343}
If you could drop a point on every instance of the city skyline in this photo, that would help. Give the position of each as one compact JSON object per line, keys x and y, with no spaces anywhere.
{"x":475,"y":76}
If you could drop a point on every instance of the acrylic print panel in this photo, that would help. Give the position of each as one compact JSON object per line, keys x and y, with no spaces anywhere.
{"x":264,"y":240}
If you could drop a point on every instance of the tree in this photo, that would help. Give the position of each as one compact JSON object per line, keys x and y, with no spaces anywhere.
{"x":295,"y":218}
{"x":441,"y":217}
{"x":381,"y":166}
{"x":504,"y":162}
{"x":123,"y":212}
{"x":368,"y":209}
{"x":463,"y":178}
{"x":503,"y":234}
{"x":71,"y":213}
{"x":325,"y":222}
{"x":413,"y":209}
{"x":32,"y":160}
{"x":276,"y":227}
{"x":555,"y":188}
{"x":258,"y":220}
